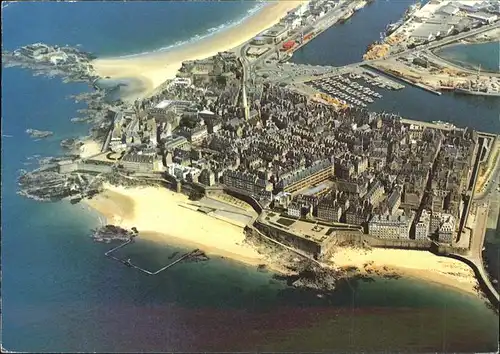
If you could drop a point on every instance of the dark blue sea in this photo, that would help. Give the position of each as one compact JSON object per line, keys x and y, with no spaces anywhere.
{"x":346,"y":43}
{"x":59,"y":292}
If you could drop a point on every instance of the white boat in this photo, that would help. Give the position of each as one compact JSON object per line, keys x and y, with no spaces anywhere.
{"x":360,"y":5}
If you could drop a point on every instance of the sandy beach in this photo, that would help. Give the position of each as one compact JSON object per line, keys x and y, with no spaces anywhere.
{"x":155,"y":68}
{"x":163,"y":216}
{"x":89,"y":148}
{"x":419,"y":264}
{"x":159,"y":216}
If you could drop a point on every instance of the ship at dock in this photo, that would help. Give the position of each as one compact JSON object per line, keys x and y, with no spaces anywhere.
{"x":483,"y":92}
{"x":360,"y":5}
{"x":347,"y":16}
{"x":409,"y":13}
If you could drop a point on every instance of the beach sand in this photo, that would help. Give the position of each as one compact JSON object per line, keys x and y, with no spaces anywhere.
{"x":155,"y":68}
{"x":89,"y":148}
{"x":164,"y":217}
{"x":158,"y":215}
{"x":418,"y":264}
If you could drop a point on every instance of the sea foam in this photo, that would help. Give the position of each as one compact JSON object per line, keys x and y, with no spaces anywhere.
{"x":210,"y":32}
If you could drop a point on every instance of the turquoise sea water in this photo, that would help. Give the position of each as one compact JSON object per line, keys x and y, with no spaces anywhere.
{"x":59,"y":292}
{"x":478,"y":55}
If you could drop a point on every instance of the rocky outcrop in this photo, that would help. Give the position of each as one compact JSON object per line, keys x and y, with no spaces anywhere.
{"x":110,"y":233}
{"x":38,"y":134}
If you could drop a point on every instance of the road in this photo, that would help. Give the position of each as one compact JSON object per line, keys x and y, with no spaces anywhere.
{"x":476,"y":250}
{"x":327,"y":21}
{"x":440,"y":61}
{"x":492,"y":181}
{"x":338,"y":70}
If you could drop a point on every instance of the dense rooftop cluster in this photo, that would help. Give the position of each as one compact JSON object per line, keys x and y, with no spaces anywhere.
{"x":305,"y":157}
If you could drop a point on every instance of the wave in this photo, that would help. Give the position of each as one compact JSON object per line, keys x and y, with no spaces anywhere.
{"x":210,"y":32}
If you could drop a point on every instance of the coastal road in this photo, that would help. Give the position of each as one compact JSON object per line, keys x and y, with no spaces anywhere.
{"x":476,"y":250}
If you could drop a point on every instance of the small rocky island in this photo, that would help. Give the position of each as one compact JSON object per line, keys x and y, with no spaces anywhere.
{"x":39,"y":134}
{"x":110,"y":233}
{"x":69,"y":62}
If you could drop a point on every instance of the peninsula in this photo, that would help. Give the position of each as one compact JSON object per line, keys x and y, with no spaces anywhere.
{"x":233,"y":151}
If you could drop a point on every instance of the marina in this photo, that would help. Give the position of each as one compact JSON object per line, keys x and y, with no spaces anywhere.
{"x":348,"y":90}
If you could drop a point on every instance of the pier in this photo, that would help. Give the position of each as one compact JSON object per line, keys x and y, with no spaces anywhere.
{"x":128,"y":263}
{"x":402,"y":78}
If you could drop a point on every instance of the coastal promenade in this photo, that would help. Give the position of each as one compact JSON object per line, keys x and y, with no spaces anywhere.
{"x":475,"y":259}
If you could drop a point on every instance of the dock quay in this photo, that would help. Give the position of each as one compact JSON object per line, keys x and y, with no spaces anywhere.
{"x":415,"y":84}
{"x":370,"y":75}
{"x":128,"y":263}
{"x":349,"y":87}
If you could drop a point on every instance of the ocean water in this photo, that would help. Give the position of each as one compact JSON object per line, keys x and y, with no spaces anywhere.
{"x":484,"y":56}
{"x":60,"y":293}
{"x":346,"y":43}
{"x":108,"y":28}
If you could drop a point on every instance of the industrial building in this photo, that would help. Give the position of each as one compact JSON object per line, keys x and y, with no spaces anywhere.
{"x":483,"y":17}
{"x":430,"y":31}
{"x":448,"y":10}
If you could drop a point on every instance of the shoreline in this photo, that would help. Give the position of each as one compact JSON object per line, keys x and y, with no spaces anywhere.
{"x":149,"y":209}
{"x":465,"y":65}
{"x":464,"y":42}
{"x":154,"y":68}
{"x":422,"y":265}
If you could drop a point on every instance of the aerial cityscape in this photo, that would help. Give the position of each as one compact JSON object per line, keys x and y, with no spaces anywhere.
{"x":229,"y":164}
